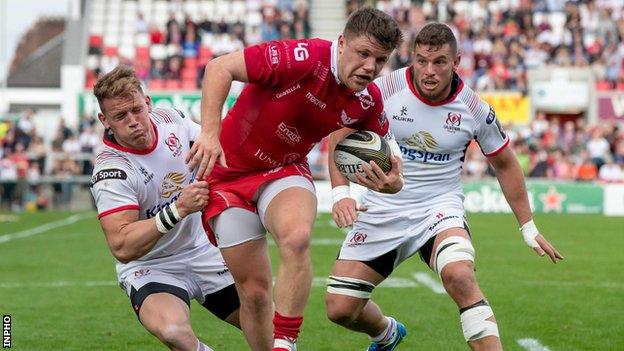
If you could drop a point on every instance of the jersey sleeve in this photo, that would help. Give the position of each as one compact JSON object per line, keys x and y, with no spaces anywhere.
{"x":376,"y":120}
{"x":192,"y":128}
{"x":489,"y":134}
{"x":114,"y":189}
{"x":278,"y":63}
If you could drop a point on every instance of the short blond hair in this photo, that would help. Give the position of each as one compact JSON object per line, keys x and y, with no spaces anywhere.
{"x":120,"y":82}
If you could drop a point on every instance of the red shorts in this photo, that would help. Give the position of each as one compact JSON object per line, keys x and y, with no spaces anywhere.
{"x":239,"y":191}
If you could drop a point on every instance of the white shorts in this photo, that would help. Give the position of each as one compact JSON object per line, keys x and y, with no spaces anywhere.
{"x":199,"y":272}
{"x":373,"y":235}
{"x":237,"y":225}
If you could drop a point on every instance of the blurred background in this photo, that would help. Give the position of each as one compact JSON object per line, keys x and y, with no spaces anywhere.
{"x":552,"y":69}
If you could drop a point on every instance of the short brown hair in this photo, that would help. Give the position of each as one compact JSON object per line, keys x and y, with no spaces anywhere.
{"x":374,"y":24}
{"x":436,"y":34}
{"x":120,"y":82}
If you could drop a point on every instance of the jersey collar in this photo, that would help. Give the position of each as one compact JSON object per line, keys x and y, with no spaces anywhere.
{"x":109,"y":140}
{"x":456,"y":88}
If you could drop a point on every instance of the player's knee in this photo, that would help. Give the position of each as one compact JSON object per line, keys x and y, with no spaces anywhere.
{"x":254,"y":295}
{"x":339,"y":309}
{"x":175,"y":334}
{"x":476,"y":321}
{"x":459,"y":277}
{"x":295,"y":244}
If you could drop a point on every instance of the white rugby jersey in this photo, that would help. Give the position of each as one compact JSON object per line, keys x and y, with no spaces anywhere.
{"x":147,"y":180}
{"x":433,"y":138}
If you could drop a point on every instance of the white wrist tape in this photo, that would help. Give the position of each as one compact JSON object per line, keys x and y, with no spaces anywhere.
{"x":340,"y":192}
{"x":167,"y":218}
{"x":529,"y":232}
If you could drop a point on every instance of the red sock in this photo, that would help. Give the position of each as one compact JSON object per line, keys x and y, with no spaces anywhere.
{"x":286,"y":327}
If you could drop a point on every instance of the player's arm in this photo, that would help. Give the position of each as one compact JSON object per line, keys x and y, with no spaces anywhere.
{"x":511,"y":180}
{"x":216,"y":85}
{"x":345,"y":207}
{"x":130,"y":238}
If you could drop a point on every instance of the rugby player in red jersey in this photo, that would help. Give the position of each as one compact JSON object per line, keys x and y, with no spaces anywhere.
{"x":299,"y":91}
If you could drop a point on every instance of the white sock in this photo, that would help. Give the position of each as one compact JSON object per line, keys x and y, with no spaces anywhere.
{"x":203,"y":347}
{"x":388,"y":333}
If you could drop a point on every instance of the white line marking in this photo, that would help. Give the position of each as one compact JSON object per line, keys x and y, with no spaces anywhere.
{"x":532,"y":345}
{"x":44,"y":228}
{"x":426,"y":280}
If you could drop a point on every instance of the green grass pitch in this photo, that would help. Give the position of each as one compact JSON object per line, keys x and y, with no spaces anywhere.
{"x":58,"y":285}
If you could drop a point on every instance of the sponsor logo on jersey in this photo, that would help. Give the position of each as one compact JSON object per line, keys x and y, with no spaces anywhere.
{"x":173,"y":143}
{"x":171,"y":184}
{"x":452,"y":123}
{"x":357,"y":239}
{"x":402,"y":119}
{"x":288,"y":91}
{"x":152,"y":211}
{"x":346,"y":120}
{"x":292,"y":157}
{"x":289,"y":134}
{"x":402,"y":116}
{"x":366,"y":101}
{"x":491,"y":116}
{"x":266,"y":159}
{"x":148,"y":175}
{"x":441,"y":219}
{"x":109,"y":173}
{"x":422,"y":140}
{"x":272,"y":56}
{"x":424,"y":156}
{"x":315,"y":101}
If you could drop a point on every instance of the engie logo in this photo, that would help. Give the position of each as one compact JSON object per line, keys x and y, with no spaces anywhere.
{"x":109,"y":173}
{"x":452,"y":123}
{"x":174,"y":144}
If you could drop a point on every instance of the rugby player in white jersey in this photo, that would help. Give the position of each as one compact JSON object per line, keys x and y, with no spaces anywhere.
{"x":434,"y":117}
{"x":148,"y":209}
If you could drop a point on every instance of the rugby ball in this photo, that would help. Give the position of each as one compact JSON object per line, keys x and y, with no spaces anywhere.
{"x":359,"y":147}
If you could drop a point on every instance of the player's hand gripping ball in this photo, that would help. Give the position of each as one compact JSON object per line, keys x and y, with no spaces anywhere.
{"x":361,"y":146}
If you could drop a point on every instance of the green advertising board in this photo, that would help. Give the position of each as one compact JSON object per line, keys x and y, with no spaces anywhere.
{"x":544,"y":197}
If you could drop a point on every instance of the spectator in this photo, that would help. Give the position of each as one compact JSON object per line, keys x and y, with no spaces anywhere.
{"x":610,"y":172}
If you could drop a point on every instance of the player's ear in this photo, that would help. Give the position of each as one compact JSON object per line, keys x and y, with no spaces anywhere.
{"x":102,"y":119}
{"x":456,"y":61}
{"x":341,"y":43}
{"x":148,"y":101}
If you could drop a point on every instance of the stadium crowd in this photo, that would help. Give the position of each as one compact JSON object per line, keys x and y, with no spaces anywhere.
{"x":499,"y":42}
{"x":174,"y":56}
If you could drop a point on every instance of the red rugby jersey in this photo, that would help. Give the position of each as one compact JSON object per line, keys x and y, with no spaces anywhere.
{"x":293,"y":100}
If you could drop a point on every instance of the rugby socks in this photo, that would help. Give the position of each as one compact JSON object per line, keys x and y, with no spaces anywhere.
{"x":388,"y":333}
{"x":286,"y":331}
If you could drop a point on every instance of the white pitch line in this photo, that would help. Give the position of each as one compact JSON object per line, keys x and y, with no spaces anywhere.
{"x":44,"y":228}
{"x":426,"y":280}
{"x":532,"y":345}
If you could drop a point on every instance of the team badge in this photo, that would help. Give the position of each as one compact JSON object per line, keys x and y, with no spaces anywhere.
{"x":452,"y":123}
{"x":174,"y":144}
